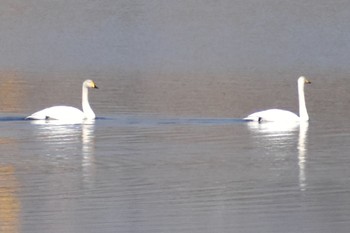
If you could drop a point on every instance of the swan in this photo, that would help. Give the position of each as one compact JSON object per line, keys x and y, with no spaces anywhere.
{"x":67,"y":112}
{"x":278,"y":115}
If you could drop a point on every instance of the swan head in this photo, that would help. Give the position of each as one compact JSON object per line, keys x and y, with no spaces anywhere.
{"x":303,"y":80}
{"x":90,"y":84}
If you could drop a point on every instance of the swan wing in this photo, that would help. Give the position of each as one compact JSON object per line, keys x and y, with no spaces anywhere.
{"x":273,"y":115}
{"x":57,"y":113}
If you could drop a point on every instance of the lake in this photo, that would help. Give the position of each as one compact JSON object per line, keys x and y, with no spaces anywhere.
{"x":169,"y":151}
{"x":173,"y":156}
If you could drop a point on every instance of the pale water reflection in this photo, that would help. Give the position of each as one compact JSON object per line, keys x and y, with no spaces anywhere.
{"x":280,"y":137}
{"x":88,"y":151}
{"x":10,"y":206}
{"x":61,"y":135}
{"x":302,"y":154}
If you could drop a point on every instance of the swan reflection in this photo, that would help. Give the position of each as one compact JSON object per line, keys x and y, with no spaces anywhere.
{"x":302,"y":152}
{"x":88,"y":152}
{"x":64,"y":139}
{"x":280,"y":136}
{"x":273,"y":128}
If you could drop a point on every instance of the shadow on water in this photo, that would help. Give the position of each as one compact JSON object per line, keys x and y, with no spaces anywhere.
{"x":11,"y":118}
{"x":131,"y":120}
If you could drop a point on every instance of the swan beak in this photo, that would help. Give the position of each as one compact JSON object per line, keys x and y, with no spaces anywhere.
{"x":96,"y":87}
{"x":307,"y":81}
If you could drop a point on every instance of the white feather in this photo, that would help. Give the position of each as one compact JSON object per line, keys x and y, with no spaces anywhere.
{"x":66,"y":112}
{"x":273,"y":115}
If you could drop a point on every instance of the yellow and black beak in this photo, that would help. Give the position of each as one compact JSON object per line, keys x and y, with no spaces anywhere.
{"x":94,"y":85}
{"x":307,"y":81}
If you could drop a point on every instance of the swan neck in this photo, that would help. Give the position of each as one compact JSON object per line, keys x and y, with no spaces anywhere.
{"x":89,"y":114}
{"x":304,"y":116}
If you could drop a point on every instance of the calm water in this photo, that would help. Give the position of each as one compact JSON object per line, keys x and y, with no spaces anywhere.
{"x":156,"y":163}
{"x":168,"y":152}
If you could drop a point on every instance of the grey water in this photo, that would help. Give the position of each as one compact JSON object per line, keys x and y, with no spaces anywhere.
{"x":155,"y":164}
{"x":168,"y":151}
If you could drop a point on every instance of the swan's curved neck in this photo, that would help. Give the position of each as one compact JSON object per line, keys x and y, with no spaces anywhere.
{"x":304,"y":116}
{"x":89,"y":114}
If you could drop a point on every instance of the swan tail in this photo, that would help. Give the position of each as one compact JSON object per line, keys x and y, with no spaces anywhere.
{"x":37,"y":116}
{"x":253,"y":117}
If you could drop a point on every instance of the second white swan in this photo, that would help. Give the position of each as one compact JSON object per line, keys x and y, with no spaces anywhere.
{"x":274,"y":115}
{"x":67,"y":112}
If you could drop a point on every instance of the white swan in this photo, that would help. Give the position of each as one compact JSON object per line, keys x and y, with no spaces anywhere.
{"x":68,"y":113}
{"x":283,"y":115}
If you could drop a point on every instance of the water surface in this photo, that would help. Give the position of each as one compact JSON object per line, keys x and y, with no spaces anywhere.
{"x":154,"y":163}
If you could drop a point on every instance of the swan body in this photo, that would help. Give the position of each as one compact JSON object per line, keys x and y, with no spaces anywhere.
{"x":67,"y":112}
{"x":274,"y":115}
